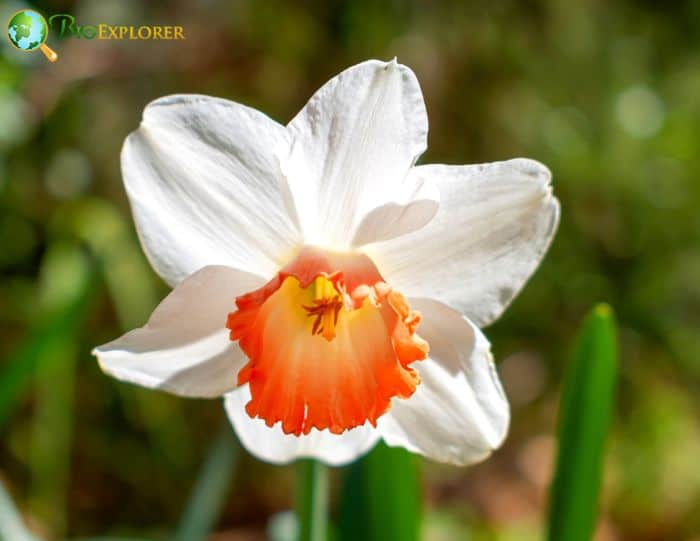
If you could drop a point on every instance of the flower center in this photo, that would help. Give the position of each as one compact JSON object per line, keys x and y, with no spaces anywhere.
{"x":329,"y":344}
{"x":325,"y":308}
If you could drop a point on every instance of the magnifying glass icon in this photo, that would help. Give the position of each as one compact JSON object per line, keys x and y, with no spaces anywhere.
{"x":27,"y":31}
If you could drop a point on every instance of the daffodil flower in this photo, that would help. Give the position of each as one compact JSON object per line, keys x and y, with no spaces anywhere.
{"x":330,"y":289}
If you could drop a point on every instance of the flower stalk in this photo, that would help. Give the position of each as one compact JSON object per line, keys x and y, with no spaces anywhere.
{"x":312,"y":500}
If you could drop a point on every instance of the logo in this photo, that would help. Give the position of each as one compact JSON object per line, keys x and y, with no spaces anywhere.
{"x":67,"y":27}
{"x":27,"y":31}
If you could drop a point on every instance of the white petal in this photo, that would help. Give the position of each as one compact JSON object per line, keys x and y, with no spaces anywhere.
{"x":273,"y":445}
{"x":459,"y":413}
{"x":185,"y":348}
{"x":206,"y":189}
{"x":352,"y":146}
{"x":494,"y":224}
{"x":404,"y":215}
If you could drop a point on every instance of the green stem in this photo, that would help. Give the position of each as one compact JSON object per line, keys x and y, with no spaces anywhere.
{"x":312,"y":500}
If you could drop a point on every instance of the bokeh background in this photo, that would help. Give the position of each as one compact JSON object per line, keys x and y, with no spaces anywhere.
{"x":607,"y":94}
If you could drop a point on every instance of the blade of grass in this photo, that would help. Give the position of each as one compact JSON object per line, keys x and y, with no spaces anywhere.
{"x":52,"y":434}
{"x":584,"y":418}
{"x":312,"y":500}
{"x":381,"y":497}
{"x":20,"y":366}
{"x":65,"y":273}
{"x":212,"y":486}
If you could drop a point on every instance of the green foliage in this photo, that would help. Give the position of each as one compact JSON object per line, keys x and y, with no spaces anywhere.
{"x":584,"y":417}
{"x":209,"y":494}
{"x":312,"y":500}
{"x":67,"y":289}
{"x":381,"y":497}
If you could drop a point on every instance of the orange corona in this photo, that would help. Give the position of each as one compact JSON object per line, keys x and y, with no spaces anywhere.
{"x":329,"y":344}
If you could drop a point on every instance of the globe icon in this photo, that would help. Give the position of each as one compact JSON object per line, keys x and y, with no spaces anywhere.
{"x":27,"y":31}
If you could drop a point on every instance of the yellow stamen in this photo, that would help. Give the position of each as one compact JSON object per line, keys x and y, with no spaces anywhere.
{"x":326,"y":307}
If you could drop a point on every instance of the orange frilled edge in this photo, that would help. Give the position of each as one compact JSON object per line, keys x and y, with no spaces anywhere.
{"x":329,"y":344}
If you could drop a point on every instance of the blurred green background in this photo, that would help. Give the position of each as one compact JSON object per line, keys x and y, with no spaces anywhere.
{"x":607,"y":94}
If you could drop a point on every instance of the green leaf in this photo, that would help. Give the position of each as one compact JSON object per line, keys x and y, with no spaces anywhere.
{"x":312,"y":500}
{"x":584,"y":418}
{"x":65,"y":275}
{"x":209,"y":494}
{"x":63,"y":316}
{"x":381,"y":498}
